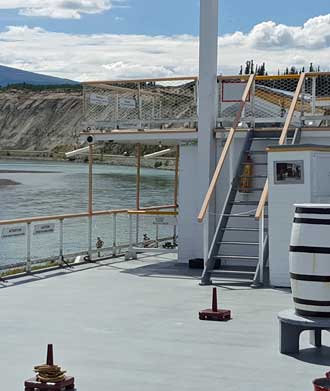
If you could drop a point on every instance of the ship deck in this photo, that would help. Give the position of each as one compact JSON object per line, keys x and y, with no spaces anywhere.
{"x":134,"y":325}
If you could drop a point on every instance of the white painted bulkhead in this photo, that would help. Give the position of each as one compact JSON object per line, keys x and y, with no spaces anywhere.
{"x":282,"y":197}
{"x":280,"y":203}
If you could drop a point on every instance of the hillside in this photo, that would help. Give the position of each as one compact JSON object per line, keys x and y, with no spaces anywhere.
{"x":46,"y":120}
{"x":17,"y":76}
{"x":39,"y":120}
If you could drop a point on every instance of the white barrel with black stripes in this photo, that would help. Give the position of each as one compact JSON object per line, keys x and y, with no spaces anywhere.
{"x":310,"y":260}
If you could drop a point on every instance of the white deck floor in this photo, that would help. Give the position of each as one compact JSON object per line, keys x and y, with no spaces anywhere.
{"x":134,"y":326}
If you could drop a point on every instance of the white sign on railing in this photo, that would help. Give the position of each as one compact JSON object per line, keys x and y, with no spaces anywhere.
{"x":127,"y":103}
{"x":43,"y":228}
{"x":167,"y":220}
{"x":13,"y":231}
{"x":100,"y":100}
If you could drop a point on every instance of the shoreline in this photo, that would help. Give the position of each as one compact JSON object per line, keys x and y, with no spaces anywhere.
{"x":162,"y":163}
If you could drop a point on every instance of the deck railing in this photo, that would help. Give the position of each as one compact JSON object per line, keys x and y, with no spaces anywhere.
{"x":167,"y":103}
{"x":59,"y":239}
{"x":282,"y":140}
{"x":140,"y":104}
{"x":226,"y":148}
{"x":203,"y":214}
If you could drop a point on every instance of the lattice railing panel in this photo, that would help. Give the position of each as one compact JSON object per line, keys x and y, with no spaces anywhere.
{"x":144,"y":104}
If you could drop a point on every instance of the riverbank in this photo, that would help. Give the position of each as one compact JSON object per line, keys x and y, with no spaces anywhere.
{"x":163,"y":163}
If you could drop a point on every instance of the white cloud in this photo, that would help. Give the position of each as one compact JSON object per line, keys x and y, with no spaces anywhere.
{"x":110,"y":56}
{"x":60,"y":9}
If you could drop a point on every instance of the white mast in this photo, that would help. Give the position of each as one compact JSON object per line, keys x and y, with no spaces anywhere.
{"x":207,"y":107}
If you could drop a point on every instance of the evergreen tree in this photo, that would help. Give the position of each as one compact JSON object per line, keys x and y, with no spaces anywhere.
{"x":247,"y":68}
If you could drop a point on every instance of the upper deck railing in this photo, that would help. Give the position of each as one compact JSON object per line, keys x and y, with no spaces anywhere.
{"x":140,"y":104}
{"x":166,"y":103}
{"x":63,"y":237}
{"x":221,"y":162}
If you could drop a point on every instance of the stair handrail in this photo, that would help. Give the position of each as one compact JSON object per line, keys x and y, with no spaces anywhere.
{"x":265,"y":191}
{"x":225,"y":150}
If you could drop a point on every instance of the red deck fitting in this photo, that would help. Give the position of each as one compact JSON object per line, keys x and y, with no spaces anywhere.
{"x":50,"y":355}
{"x":322,"y":384}
{"x":215,"y":313}
{"x":34,"y":385}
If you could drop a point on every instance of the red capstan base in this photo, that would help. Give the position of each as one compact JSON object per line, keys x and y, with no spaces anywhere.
{"x":34,"y":385}
{"x":219,"y":315}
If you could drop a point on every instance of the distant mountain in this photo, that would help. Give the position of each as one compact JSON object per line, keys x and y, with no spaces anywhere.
{"x":16,"y":76}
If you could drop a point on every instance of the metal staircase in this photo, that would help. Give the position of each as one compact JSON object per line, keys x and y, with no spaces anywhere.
{"x":236,"y":243}
{"x":240,"y":241}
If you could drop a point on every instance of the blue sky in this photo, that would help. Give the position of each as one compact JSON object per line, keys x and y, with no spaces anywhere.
{"x":171,"y":17}
{"x":34,"y":32}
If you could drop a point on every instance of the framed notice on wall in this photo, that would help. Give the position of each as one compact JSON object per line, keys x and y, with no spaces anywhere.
{"x":289,"y":172}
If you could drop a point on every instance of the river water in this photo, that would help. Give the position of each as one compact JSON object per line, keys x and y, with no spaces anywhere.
{"x":51,"y":188}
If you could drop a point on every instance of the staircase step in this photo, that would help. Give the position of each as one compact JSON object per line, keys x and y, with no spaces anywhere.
{"x":241,"y":215}
{"x":251,"y":189}
{"x":228,"y":271}
{"x":256,"y":152}
{"x":241,"y":229}
{"x":240,"y":243}
{"x":254,"y":176}
{"x":269,"y":138}
{"x":245,"y":203}
{"x":254,"y":164}
{"x":245,"y":257}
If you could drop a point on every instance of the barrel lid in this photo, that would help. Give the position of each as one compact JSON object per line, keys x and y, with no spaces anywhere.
{"x":318,"y":206}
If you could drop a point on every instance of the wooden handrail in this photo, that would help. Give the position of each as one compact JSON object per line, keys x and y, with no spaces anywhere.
{"x":79,"y":215}
{"x":183,"y":78}
{"x":264,"y":194}
{"x":61,"y":217}
{"x":225,"y":150}
{"x":160,"y":207}
{"x":194,"y":78}
{"x":152,"y":213}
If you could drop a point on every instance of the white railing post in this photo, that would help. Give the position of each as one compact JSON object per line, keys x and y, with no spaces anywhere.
{"x":137,"y":230}
{"x":114,"y":228}
{"x":28,"y":248}
{"x":61,"y":242}
{"x":261,"y":246}
{"x":157,"y":235}
{"x":117,"y":110}
{"x":90,"y":235}
{"x":313,"y":95}
{"x":130,"y":254}
{"x":140,"y":106}
{"x":205,"y":240}
{"x":253,"y":106}
{"x":302,"y":108}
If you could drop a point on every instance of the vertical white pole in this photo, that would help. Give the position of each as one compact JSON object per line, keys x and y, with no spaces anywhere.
{"x":61,"y":242}
{"x":90,"y":200}
{"x":90,"y":235}
{"x":117,"y":111}
{"x":114,"y":228}
{"x":207,"y":106}
{"x":313,"y":95}
{"x":205,"y":244}
{"x":28,"y":248}
{"x":157,"y":235}
{"x":261,"y":245}
{"x":131,"y":233}
{"x":140,"y":106}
